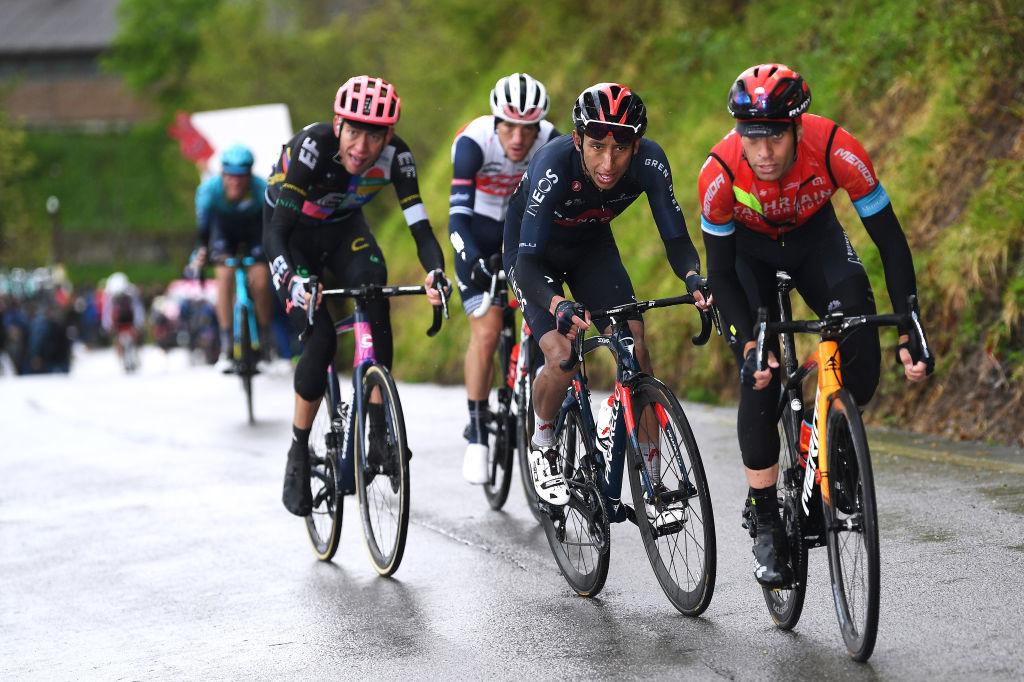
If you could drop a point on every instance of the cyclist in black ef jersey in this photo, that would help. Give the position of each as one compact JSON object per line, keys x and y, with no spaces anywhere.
{"x":557,"y":231}
{"x":313,"y":220}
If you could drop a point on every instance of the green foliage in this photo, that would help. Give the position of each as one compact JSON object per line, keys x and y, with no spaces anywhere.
{"x":23,"y":240}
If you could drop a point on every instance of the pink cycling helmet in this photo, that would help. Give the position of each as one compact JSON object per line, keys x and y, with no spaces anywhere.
{"x":370,"y":100}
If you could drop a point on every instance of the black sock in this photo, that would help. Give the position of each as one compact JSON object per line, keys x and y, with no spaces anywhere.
{"x":376,"y":413}
{"x":477,"y":415}
{"x":300,"y":437}
{"x":765,"y":503}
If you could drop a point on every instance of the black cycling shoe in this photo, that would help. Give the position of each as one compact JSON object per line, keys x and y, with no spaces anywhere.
{"x":378,"y":454}
{"x":771,"y":557}
{"x":297,"y":497}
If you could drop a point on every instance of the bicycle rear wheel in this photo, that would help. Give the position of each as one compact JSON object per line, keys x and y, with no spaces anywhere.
{"x":324,"y":523}
{"x":851,"y":526}
{"x":524,"y":431}
{"x":500,"y":450}
{"x":246,"y":361}
{"x":578,"y":533}
{"x":682,"y":551}
{"x":382,"y":474}
{"x":786,"y":604}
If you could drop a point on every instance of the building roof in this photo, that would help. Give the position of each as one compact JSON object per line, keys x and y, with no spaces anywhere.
{"x":56,"y":26}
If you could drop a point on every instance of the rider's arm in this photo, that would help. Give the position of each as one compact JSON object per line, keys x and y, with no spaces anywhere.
{"x":852,"y":170}
{"x":304,"y":158}
{"x":545,"y":186}
{"x":467,"y":159}
{"x":204,"y":212}
{"x":656,"y":179}
{"x":403,"y":172}
{"x":719,"y":231}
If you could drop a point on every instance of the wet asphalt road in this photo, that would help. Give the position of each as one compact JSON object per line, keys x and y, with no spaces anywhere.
{"x":141,"y":536}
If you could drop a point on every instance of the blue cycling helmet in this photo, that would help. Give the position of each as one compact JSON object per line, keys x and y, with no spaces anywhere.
{"x":236,"y":160}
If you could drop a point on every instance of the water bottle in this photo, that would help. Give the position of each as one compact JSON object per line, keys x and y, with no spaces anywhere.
{"x":606,"y":422}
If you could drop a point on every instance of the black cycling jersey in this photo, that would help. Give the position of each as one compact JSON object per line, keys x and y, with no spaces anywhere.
{"x":556,"y":201}
{"x":309,"y":187}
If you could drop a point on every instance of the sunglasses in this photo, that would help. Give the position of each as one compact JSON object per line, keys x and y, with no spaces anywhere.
{"x":621,"y":133}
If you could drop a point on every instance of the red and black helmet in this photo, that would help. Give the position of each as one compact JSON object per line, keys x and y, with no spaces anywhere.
{"x":369,"y":100}
{"x":610,"y":108}
{"x":769,"y":92}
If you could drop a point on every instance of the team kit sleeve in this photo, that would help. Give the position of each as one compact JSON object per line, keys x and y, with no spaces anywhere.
{"x":715,"y":195}
{"x":204,"y":213}
{"x":657,"y":184}
{"x":302,"y":157}
{"x":407,"y":188}
{"x":546,"y":188}
{"x":851,"y":169}
{"x":467,"y":160}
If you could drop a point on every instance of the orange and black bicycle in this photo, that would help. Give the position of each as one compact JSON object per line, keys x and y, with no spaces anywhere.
{"x":826,"y":488}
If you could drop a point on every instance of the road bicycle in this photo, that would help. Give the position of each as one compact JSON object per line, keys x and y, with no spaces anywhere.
{"x":511,"y":423}
{"x":245,"y":329}
{"x":826,"y":490}
{"x":650,"y":433}
{"x":347,"y":455}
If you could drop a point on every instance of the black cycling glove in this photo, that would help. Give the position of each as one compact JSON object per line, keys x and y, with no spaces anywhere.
{"x":564,"y":312}
{"x":481,"y":275}
{"x":748,"y":368}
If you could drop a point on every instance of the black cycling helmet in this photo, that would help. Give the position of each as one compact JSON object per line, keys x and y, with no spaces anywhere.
{"x":610,"y":108}
{"x":769,"y":92}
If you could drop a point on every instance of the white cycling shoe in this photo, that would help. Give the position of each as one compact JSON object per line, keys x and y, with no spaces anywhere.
{"x":474,"y":464}
{"x":672,"y":516}
{"x":225,"y":365}
{"x":547,"y":477}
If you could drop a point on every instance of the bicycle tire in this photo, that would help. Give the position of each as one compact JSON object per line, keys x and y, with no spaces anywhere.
{"x":500,"y":451}
{"x":383,"y":487}
{"x":324,"y":523}
{"x":851,"y":519}
{"x":246,"y":361}
{"x":689,"y":586}
{"x":524,"y":432}
{"x":583,"y":522}
{"x":786,"y":605}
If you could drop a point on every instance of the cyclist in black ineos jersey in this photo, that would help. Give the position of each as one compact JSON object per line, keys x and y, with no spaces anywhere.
{"x":313,"y":220}
{"x":557,"y":231}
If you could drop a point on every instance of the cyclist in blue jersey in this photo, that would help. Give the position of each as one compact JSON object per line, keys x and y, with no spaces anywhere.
{"x":313,"y":221}
{"x":558,"y":231}
{"x":229,"y":215}
{"x":489,"y":156}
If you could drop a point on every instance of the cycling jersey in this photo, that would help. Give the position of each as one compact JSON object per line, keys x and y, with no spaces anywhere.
{"x":483,"y":180}
{"x":310,"y":187}
{"x":223,"y":225}
{"x":827,"y":158}
{"x":556,"y":200}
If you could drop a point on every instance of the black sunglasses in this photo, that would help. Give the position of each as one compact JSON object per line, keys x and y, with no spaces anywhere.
{"x":621,"y":133}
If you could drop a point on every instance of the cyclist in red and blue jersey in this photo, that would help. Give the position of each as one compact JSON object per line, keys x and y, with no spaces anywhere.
{"x":313,"y":220}
{"x":229,"y":217}
{"x":558,"y":232}
{"x":489,"y":156}
{"x":766,"y":205}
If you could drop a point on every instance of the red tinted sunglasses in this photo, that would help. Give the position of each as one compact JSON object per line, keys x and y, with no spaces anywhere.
{"x":623,"y":134}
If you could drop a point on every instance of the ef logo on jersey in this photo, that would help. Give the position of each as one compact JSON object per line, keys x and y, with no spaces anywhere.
{"x":308,"y":154}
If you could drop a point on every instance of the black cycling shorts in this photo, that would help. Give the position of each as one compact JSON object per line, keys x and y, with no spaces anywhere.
{"x":487,"y":234}
{"x":230,"y":234}
{"x":594,"y":273}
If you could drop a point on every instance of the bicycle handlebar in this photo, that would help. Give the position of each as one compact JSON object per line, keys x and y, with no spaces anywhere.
{"x":706,"y":319}
{"x":371,"y":291}
{"x":837,"y":324}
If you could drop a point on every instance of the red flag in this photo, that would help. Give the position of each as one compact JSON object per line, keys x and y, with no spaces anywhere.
{"x":192,"y":143}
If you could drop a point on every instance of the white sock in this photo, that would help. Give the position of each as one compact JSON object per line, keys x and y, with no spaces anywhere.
{"x":653,"y":463}
{"x":543,"y":431}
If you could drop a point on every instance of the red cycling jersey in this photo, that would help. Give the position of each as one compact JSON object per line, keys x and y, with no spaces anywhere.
{"x":827,"y":157}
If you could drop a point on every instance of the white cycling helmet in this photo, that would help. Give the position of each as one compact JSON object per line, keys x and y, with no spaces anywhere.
{"x":117,"y":283}
{"x":519,"y":98}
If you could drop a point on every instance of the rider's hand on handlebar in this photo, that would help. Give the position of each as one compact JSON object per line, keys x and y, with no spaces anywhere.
{"x":914,"y":371}
{"x":299,"y":294}
{"x":750,"y":375}
{"x":697,"y":287}
{"x":433,"y":295}
{"x":571,"y":318}
{"x":481,"y":275}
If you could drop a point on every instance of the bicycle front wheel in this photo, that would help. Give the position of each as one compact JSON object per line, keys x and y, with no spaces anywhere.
{"x":246,"y":361}
{"x":786,"y":604}
{"x":324,"y":523}
{"x":382,"y":472}
{"x":524,"y":431}
{"x":500,"y":448}
{"x":578,"y":533}
{"x":851,"y":526}
{"x":675,"y":517}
